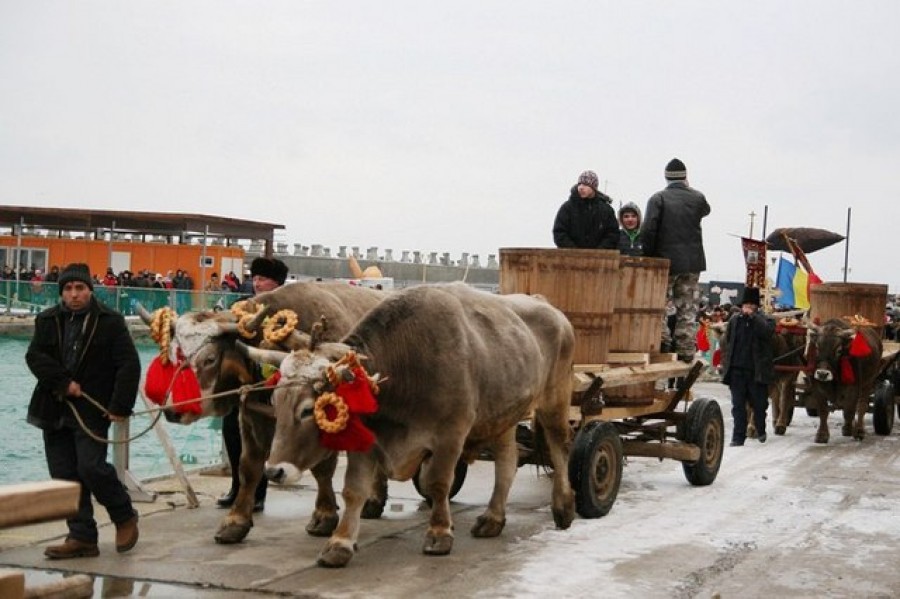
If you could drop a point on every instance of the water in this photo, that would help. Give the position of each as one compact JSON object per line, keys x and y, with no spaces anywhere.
{"x":22,"y":450}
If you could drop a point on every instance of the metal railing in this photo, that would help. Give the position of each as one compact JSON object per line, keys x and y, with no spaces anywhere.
{"x":30,"y":297}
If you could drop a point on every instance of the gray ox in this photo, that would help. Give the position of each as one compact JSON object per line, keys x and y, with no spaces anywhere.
{"x":208,"y":339}
{"x":831,"y":342}
{"x":463,"y":367}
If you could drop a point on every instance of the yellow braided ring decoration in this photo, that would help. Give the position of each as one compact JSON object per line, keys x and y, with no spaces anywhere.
{"x":161,"y":331}
{"x":280,"y":325}
{"x":858,"y":320}
{"x":243,"y":321}
{"x":239,"y":309}
{"x":340,"y":420}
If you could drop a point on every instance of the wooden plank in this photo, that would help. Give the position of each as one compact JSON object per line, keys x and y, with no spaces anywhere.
{"x":590,"y":367}
{"x":79,"y":586}
{"x":628,"y":358}
{"x":26,"y":503}
{"x":627,"y":375}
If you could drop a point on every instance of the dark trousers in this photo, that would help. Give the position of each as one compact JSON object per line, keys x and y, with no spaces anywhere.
{"x":745,"y":390}
{"x":231,"y":435}
{"x":73,"y":455}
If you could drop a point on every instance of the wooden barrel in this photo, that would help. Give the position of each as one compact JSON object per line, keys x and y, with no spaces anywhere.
{"x":637,"y":319}
{"x":582,"y":283}
{"x":843,"y":300}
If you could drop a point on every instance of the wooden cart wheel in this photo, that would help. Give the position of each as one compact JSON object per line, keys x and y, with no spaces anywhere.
{"x":883,"y":408}
{"x":705,"y":428}
{"x":595,"y":468}
{"x":459,"y":477}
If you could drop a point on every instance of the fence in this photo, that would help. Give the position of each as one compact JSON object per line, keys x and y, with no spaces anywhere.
{"x":31,"y":297}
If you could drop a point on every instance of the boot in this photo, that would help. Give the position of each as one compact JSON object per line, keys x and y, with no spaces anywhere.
{"x":127,"y":534}
{"x":72,"y":548}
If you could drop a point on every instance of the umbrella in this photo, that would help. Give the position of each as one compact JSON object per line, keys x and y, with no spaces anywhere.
{"x":807,"y":238}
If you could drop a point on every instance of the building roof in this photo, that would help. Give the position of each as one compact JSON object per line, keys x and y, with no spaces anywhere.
{"x":185,"y":226}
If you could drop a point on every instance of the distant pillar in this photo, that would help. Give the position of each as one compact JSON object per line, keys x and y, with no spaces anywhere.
{"x":281,"y":248}
{"x":316,"y":249}
{"x":432,"y":258}
{"x":445,"y":259}
{"x":388,"y":255}
{"x":296,"y":249}
{"x":327,"y":252}
{"x":342,"y":251}
{"x":417,"y":257}
{"x":404,"y":256}
{"x":464,"y":259}
{"x":372,"y":253}
{"x":355,"y":252}
{"x":492,"y":261}
{"x":475,"y":262}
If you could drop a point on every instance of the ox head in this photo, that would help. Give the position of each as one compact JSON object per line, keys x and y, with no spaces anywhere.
{"x":304,"y":378}
{"x":831,"y":342}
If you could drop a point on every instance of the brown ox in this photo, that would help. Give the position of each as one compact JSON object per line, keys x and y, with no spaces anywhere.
{"x":207,"y":339}
{"x":463,"y":367}
{"x":840,"y":379}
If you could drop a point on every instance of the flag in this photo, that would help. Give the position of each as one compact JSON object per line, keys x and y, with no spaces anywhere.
{"x":794,"y":282}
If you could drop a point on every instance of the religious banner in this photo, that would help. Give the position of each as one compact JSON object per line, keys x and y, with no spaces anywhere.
{"x":755,"y":260}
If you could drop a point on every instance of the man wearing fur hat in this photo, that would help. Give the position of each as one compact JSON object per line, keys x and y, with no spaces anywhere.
{"x":586,"y":219}
{"x":748,"y":363}
{"x":82,"y":349}
{"x":267,"y":274}
{"x":672,"y":230}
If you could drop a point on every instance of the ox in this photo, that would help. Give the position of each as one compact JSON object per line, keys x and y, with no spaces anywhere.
{"x":847,"y":363}
{"x":207,"y":340}
{"x":463,"y":367}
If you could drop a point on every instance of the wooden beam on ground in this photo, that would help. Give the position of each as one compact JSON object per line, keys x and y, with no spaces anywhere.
{"x":675,"y":451}
{"x":79,"y":586}
{"x":27,"y":503}
{"x":12,"y":584}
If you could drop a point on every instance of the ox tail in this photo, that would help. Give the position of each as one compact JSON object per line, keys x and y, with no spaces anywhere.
{"x":540,"y":455}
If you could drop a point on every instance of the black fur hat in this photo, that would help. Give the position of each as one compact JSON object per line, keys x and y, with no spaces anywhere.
{"x":272,"y":268}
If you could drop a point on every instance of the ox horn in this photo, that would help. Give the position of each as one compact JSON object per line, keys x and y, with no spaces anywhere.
{"x":145,"y":316}
{"x":297,"y":340}
{"x":254,"y":324}
{"x":262,"y":356}
{"x":317,"y":332}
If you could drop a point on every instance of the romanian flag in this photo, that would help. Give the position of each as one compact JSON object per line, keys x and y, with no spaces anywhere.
{"x":794,"y":282}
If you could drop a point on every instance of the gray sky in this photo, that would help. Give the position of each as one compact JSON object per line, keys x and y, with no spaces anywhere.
{"x":459,"y":126}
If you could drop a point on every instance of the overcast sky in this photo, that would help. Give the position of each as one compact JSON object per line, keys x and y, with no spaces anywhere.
{"x":460,"y":126}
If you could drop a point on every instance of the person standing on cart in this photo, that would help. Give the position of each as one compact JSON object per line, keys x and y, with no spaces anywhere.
{"x":671,"y":229}
{"x":749,"y":365}
{"x":586,"y":220}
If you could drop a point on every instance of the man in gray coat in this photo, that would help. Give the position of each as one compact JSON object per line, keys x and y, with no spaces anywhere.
{"x":671,"y":229}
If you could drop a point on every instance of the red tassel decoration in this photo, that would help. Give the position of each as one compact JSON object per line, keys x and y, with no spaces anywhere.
{"x":184,"y":387}
{"x":847,"y":375}
{"x":859,"y":347}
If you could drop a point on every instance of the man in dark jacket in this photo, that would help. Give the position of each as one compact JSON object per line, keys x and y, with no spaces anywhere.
{"x":268,"y":274}
{"x":81,"y":349}
{"x":586,"y":219}
{"x":749,"y":365}
{"x":671,"y":229}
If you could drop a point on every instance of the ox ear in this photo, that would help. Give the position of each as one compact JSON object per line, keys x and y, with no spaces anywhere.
{"x":297,"y":340}
{"x":262,"y":356}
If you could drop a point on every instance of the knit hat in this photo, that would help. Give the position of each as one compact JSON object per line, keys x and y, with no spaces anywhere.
{"x":750,"y":296}
{"x":271,"y":268}
{"x":590,"y":179}
{"x":675,"y":170}
{"x":77,"y":271}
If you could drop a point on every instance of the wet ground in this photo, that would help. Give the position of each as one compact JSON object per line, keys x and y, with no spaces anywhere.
{"x":784,"y":518}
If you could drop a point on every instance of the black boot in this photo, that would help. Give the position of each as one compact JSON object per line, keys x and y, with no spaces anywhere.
{"x":227,"y":500}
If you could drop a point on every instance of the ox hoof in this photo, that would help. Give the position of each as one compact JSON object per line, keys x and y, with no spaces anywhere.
{"x":780,"y":430}
{"x":563,"y":518}
{"x":372,"y":509}
{"x":846,"y":430}
{"x":859,"y":435}
{"x":821,"y":438}
{"x":230,"y":534}
{"x":488,"y":527}
{"x":335,"y":556}
{"x":321,"y":525}
{"x":437,"y":545}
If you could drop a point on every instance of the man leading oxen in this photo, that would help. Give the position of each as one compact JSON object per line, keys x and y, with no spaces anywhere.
{"x":206,"y":342}
{"x":848,"y":361}
{"x":462,"y":368}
